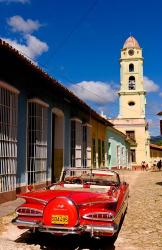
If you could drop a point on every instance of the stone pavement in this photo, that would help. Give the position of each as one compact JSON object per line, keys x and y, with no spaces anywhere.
{"x":142,"y":227}
{"x":9,"y":207}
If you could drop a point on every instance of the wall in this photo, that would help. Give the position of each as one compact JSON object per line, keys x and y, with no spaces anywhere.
{"x":98,"y":133}
{"x":117,"y":140}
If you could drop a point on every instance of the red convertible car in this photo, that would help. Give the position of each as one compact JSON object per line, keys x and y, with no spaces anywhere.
{"x":84,"y":201}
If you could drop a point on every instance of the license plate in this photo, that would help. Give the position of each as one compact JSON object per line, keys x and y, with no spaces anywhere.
{"x":60,"y":219}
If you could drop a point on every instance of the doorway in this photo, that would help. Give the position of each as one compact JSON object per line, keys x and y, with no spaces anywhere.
{"x":57,"y":144}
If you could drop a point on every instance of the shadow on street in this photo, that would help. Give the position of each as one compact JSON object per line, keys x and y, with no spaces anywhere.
{"x":49,"y":242}
{"x":159,"y":183}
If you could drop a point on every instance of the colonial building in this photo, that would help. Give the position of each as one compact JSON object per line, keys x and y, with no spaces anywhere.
{"x":132,"y":101}
{"x":43,"y":127}
{"x":118,"y":149}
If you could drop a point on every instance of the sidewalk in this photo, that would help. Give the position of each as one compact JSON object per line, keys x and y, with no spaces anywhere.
{"x":10,"y":206}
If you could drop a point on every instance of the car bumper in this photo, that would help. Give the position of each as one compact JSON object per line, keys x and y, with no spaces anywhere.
{"x":92,"y":229}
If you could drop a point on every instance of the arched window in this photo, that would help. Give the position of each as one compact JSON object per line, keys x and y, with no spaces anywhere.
{"x":131,"y":67}
{"x":131,"y":84}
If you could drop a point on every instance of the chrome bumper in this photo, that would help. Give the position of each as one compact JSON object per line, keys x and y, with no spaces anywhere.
{"x":92,"y":229}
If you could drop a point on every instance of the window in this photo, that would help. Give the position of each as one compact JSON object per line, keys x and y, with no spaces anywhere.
{"x":99,"y":152}
{"x":103,"y":153}
{"x":133,"y":155}
{"x":94,"y":152}
{"x":131,"y":134}
{"x":122,"y":155}
{"x":131,"y":84}
{"x":72,"y":143}
{"x":84,"y":147}
{"x":131,"y":67}
{"x":8,"y":139}
{"x":118,"y":154}
{"x":131,"y":103}
{"x":109,"y":153}
{"x":37,"y":143}
{"x":76,"y":143}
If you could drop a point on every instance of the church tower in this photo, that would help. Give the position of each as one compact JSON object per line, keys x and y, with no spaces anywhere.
{"x":132,"y":101}
{"x":131,"y":95}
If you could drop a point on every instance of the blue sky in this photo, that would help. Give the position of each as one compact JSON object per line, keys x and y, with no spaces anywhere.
{"x":78,"y":42}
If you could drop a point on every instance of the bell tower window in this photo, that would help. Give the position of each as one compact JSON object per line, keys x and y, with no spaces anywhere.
{"x":131,"y":83}
{"x":131,"y":67}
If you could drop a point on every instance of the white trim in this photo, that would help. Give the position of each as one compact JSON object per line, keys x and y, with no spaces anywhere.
{"x":87,"y":125}
{"x":76,"y":119}
{"x":38,"y":101}
{"x":9,"y":87}
{"x":57,"y":112}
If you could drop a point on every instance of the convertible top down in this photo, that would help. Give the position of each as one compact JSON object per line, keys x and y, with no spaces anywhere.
{"x":84,"y":201}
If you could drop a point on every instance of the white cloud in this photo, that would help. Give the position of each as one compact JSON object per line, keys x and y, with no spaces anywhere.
{"x":150,"y":85}
{"x":18,"y":24}
{"x":98,"y":92}
{"x":15,"y":1}
{"x":32,"y":48}
{"x":160,"y":94}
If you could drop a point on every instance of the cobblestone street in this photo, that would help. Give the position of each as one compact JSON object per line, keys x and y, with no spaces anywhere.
{"x":141,"y":229}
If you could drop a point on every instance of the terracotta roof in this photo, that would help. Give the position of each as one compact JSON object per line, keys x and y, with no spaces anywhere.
{"x":54,"y":82}
{"x":131,"y":42}
{"x":156,"y":146}
{"x":160,"y":113}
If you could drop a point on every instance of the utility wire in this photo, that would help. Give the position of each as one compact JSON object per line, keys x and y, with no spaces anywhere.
{"x":68,"y":36}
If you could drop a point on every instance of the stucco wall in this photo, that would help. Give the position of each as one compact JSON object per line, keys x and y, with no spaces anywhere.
{"x":115,"y":140}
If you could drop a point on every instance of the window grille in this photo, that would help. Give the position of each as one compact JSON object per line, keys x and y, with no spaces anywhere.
{"x":109,"y":153}
{"x":73,"y":143}
{"x":84,"y":147}
{"x":118,"y":154}
{"x":8,"y":139}
{"x":123,"y":155}
{"x":76,"y":143}
{"x":99,"y":153}
{"x":37,"y":143}
{"x":103,"y":153}
{"x":94,"y":152}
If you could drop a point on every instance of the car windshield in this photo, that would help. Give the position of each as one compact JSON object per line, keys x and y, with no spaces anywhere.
{"x":92,"y":177}
{"x":95,"y":180}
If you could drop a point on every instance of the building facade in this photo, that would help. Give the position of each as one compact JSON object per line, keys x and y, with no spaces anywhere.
{"x":132,"y":101}
{"x":155,"y":154}
{"x":43,"y":126}
{"x":118,"y":149}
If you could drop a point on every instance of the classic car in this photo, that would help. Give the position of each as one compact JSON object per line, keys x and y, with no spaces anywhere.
{"x":83,"y":201}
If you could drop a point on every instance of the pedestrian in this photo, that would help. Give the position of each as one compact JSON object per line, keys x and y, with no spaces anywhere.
{"x":154,"y":165}
{"x":159,"y":165}
{"x":143,"y":165}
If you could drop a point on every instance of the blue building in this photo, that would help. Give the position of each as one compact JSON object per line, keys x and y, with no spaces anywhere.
{"x":118,"y":149}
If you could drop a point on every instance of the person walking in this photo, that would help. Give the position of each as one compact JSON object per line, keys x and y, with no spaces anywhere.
{"x":143,"y":165}
{"x":159,"y":165}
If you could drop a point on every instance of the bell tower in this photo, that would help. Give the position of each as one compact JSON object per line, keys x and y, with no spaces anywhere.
{"x":132,"y":99}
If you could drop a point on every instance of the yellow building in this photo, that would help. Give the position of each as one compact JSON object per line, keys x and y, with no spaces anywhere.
{"x":98,"y":144}
{"x":132,"y":101}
